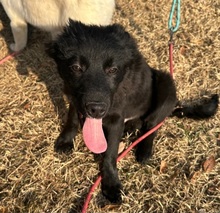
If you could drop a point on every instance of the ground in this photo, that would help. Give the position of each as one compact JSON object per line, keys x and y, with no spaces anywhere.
{"x":35,"y":179}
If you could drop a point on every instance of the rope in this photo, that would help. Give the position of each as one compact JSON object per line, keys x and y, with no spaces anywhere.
{"x":171,"y":43}
{"x":175,"y":8}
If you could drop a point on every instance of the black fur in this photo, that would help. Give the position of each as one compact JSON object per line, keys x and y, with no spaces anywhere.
{"x":106,"y":76}
{"x":204,"y":109}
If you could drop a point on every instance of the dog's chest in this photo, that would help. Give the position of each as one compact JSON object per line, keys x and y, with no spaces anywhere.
{"x":130,"y":109}
{"x":131,"y":101}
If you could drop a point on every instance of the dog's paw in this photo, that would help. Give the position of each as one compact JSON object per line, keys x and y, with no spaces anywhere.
{"x":63,"y":145}
{"x":112,"y":192}
{"x":142,"y":156}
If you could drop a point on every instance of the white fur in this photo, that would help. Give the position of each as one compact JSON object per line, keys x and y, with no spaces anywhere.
{"x":52,"y":15}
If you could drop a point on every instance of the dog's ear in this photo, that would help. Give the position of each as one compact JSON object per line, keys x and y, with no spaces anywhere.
{"x":121,"y":31}
{"x":53,"y":50}
{"x":126,"y":41}
{"x":122,"y":35}
{"x":72,"y":34}
{"x":60,"y":50}
{"x":73,"y":24}
{"x":76,"y":29}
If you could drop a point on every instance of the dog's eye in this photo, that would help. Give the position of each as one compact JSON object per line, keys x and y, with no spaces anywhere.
{"x":76,"y":68}
{"x":112,"y":70}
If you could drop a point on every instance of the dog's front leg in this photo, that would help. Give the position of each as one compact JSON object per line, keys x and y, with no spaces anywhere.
{"x":64,"y":142}
{"x":111,"y":185}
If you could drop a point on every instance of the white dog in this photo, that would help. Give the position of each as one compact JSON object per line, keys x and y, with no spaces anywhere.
{"x":52,"y":15}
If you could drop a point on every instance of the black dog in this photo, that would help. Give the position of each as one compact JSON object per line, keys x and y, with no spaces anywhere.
{"x":110,"y":84}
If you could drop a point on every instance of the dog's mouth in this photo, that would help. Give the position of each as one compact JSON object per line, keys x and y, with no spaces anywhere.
{"x":93,"y":134}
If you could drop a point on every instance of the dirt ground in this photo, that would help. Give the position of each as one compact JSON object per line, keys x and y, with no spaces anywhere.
{"x":35,"y":179}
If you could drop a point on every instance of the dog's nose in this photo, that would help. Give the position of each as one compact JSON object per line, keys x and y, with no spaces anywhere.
{"x":96,"y":109}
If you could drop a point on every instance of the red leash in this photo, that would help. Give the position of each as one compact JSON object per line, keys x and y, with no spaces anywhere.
{"x":8,"y":57}
{"x":171,"y":53}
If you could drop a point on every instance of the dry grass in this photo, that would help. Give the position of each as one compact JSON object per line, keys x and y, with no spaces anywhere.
{"x":34,"y":179}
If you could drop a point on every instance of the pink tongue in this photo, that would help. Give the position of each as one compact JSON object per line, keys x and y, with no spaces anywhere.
{"x":93,"y":135}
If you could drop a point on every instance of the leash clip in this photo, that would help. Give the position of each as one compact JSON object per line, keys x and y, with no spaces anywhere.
{"x":171,"y":41}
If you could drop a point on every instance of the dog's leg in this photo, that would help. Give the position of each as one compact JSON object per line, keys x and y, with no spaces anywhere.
{"x":18,"y":24}
{"x":19,"y":30}
{"x":145,"y":148}
{"x":163,"y":102}
{"x":111,"y":185}
{"x":64,"y":142}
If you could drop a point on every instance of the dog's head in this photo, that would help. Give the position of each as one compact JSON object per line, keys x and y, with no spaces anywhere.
{"x":93,"y":61}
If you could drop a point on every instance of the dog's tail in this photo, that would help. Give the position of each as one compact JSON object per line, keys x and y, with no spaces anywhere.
{"x":200,"y":109}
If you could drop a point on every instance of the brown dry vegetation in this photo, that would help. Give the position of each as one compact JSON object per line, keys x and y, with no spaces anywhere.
{"x":34,"y":179}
